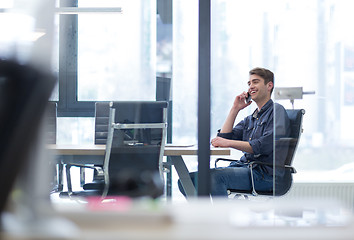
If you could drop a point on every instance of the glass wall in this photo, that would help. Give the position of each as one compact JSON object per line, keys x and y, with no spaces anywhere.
{"x":306,"y":43}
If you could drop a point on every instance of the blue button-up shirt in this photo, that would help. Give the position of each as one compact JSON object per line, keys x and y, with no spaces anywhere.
{"x":258,"y":130}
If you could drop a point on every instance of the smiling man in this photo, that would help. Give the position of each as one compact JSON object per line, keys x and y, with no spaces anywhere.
{"x":254,"y":136}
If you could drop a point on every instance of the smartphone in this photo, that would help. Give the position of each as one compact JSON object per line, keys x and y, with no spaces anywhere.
{"x":248,"y":98}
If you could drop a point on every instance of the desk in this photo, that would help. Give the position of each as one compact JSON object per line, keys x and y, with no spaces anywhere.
{"x":94,"y":154}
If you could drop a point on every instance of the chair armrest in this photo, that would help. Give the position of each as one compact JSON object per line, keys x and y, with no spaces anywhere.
{"x":98,"y":169}
{"x":224,"y":159}
{"x":250,"y":164}
{"x":293,"y":170}
{"x":100,"y":173}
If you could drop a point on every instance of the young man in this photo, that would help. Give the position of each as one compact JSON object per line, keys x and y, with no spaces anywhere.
{"x":254,"y":136}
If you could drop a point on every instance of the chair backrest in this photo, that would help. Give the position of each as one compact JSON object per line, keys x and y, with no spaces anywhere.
{"x":134,"y":149}
{"x":101,"y":122}
{"x":163,"y":93}
{"x":295,"y":117}
{"x":289,"y":146}
{"x":51,"y":123}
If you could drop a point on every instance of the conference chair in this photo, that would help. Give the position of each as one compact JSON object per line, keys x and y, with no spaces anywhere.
{"x":101,"y":122}
{"x":134,"y":151}
{"x":51,"y":123}
{"x":101,"y":132}
{"x":285,"y":149}
{"x":50,"y":119}
{"x":24,"y":93}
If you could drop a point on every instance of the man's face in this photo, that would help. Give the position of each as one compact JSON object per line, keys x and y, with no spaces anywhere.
{"x":257,"y":89}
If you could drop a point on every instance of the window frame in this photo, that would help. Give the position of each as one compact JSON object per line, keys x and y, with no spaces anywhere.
{"x":68,"y":104}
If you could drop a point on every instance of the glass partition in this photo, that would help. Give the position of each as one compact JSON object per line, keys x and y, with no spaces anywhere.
{"x":305,"y":43}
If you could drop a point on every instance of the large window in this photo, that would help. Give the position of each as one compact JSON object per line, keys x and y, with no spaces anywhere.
{"x":101,"y":50}
{"x":102,"y":56}
{"x":116,"y":52}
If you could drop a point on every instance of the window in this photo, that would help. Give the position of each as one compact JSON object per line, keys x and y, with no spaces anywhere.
{"x":95,"y":63}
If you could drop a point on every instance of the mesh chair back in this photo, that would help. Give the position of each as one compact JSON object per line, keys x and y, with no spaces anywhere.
{"x":136,"y":154}
{"x":101,"y":122}
{"x":51,"y":123}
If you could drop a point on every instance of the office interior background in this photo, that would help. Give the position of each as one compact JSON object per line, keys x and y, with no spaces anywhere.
{"x":118,"y":55}
{"x":306,"y":43}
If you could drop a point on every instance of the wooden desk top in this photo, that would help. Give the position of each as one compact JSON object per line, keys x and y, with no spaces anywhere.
{"x":100,"y":150}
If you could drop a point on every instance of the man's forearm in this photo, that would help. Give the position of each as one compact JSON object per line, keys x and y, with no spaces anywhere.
{"x":241,"y":145}
{"x":230,"y":121}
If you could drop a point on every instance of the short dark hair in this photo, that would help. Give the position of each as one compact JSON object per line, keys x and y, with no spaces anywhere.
{"x":266,"y":74}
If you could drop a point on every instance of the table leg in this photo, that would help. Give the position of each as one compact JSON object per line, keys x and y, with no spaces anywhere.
{"x":82,"y":176}
{"x":167,"y":165}
{"x":183,"y":175}
{"x":60,"y":176}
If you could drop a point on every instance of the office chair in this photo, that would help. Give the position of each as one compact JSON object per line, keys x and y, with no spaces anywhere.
{"x":100,"y":137}
{"x":101,"y":132}
{"x":50,"y":118}
{"x":285,"y":149}
{"x":51,"y":123}
{"x":101,"y":122}
{"x":134,"y":150}
{"x":163,"y":93}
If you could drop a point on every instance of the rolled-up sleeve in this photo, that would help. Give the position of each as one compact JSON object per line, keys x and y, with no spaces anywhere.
{"x":264,"y":144}
{"x":236,"y":134}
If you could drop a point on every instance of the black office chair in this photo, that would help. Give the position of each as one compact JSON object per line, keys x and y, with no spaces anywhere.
{"x":51,"y":138}
{"x":101,"y":132}
{"x":134,"y":151}
{"x":101,"y":122}
{"x":100,"y":138}
{"x":285,"y":149}
{"x":51,"y":123}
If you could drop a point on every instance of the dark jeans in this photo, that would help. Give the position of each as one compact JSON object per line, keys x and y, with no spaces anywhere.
{"x":234,"y":177}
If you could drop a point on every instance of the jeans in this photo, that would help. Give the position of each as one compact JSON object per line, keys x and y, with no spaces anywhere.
{"x":234,"y":177}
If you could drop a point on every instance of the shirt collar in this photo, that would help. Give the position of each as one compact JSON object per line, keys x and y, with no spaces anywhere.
{"x":268,"y":104}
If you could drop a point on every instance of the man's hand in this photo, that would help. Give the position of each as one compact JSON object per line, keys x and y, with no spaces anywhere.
{"x":220,"y":142}
{"x":238,"y":104}
{"x":243,"y":146}
{"x":240,"y":101}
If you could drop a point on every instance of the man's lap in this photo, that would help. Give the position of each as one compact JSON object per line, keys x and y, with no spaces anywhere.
{"x":234,"y":177}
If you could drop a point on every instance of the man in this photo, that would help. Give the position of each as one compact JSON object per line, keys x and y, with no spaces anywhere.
{"x":254,"y":136}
